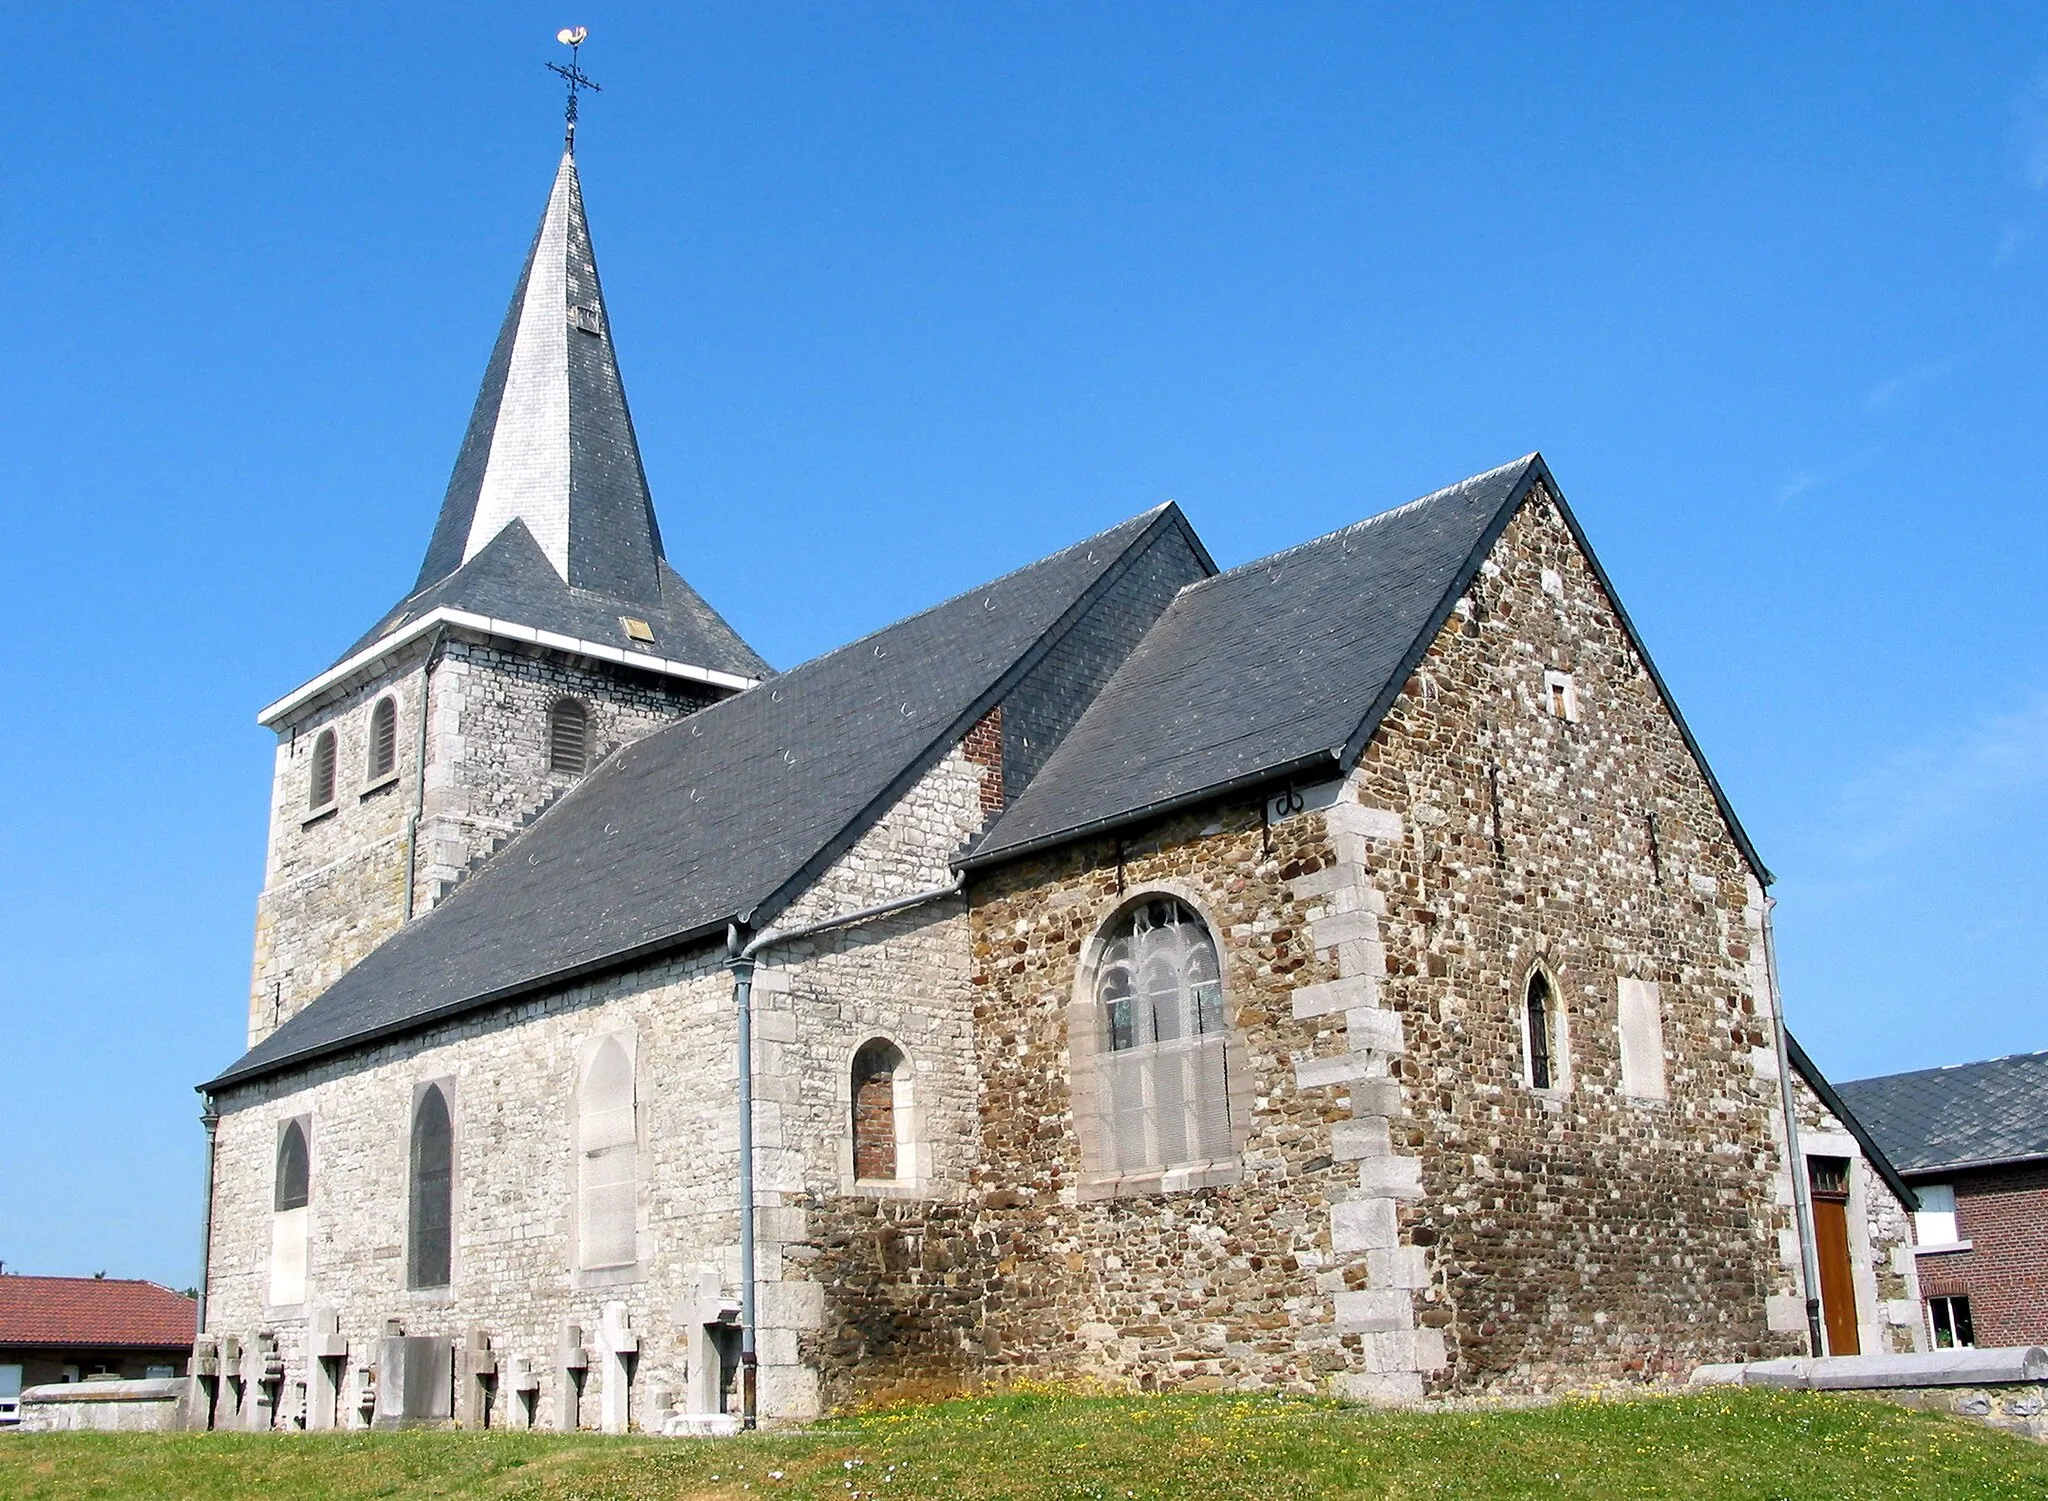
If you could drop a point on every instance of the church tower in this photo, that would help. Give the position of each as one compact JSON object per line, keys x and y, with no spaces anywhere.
{"x":545,"y":629}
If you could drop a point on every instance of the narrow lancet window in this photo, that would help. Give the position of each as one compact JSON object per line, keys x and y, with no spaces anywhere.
{"x":290,"y":1193}
{"x":608,"y":1161}
{"x":383,"y":739}
{"x":320,"y":785}
{"x":432,"y":1199}
{"x":294,"y":1168}
{"x":569,"y":736}
{"x":875,"y":1124}
{"x":1541,"y":1050}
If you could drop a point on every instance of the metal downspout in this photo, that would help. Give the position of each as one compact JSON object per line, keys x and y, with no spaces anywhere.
{"x":1802,"y":1202}
{"x":210,"y":1119}
{"x":740,"y":959}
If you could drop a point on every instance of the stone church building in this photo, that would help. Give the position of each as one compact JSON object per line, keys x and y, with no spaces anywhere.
{"x":1339,"y":973}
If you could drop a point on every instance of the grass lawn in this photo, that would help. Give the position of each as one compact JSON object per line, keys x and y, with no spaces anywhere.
{"x":1737,"y":1444}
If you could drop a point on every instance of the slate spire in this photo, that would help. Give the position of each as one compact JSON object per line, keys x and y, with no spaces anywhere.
{"x":550,"y":442}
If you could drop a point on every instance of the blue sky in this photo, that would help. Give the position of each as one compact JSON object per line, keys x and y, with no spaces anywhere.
{"x":908,"y":295}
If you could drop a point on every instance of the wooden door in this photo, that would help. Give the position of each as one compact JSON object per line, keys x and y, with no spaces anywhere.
{"x":1830,"y":1179}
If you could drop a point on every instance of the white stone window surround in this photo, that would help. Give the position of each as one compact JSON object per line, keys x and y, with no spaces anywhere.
{"x":443,"y":1294}
{"x":1561,"y":695}
{"x":372,"y":777}
{"x":1088,"y":1042}
{"x":322,"y":801}
{"x":289,"y":1268}
{"x":1639,"y":1037}
{"x":636,"y":1270}
{"x":913,"y":1151}
{"x":1560,"y":1032}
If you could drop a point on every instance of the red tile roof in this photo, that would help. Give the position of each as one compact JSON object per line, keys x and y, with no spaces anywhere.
{"x":92,"y":1311}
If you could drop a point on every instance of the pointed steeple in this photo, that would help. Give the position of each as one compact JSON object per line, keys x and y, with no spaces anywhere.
{"x":550,"y":442}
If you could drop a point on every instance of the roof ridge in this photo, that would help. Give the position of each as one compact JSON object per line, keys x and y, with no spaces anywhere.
{"x":1376,"y":519}
{"x":1944,"y":1068}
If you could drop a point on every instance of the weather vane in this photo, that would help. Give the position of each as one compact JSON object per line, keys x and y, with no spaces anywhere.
{"x":572,"y":37}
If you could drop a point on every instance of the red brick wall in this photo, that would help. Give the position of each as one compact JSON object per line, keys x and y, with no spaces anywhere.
{"x":984,"y":747}
{"x":2003,"y":1213}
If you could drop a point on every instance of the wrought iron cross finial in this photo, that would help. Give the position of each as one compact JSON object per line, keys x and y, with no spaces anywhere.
{"x":573,"y":37}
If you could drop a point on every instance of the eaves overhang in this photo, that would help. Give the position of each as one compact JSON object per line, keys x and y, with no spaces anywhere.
{"x":383,"y":649}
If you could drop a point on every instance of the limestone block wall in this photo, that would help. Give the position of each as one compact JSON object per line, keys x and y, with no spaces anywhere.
{"x":511,"y":1075}
{"x":334,"y":884}
{"x":1881,"y":1263}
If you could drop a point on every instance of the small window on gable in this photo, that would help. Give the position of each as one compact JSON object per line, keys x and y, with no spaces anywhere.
{"x":875,"y":1123}
{"x":320,"y":784}
{"x":431,"y":1200}
{"x":1561,"y":696}
{"x":607,"y":1161}
{"x":383,"y":739}
{"x":1642,"y":1039}
{"x":294,"y":1168}
{"x":569,"y":736}
{"x":1934,"y":1223}
{"x":1540,"y":1019}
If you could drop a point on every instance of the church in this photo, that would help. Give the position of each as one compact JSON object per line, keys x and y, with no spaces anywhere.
{"x":1336,"y":974}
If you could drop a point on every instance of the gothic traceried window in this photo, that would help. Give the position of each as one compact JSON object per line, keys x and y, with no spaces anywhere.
{"x":431,"y":1223}
{"x":1163,"y":1072}
{"x":320,"y":784}
{"x":383,"y":739}
{"x":569,"y":736}
{"x":607,"y":1161}
{"x":875,"y":1124}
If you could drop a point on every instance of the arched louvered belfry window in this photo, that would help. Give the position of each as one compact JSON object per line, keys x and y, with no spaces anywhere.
{"x":1542,"y":1033}
{"x":383,"y":739}
{"x":294,"y":1168}
{"x":569,"y":736}
{"x":607,"y":1161}
{"x":875,"y":1120}
{"x":1165,"y":1097}
{"x":320,"y":784}
{"x":431,"y":1222}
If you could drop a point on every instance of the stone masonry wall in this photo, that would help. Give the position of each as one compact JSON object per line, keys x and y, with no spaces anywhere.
{"x":334,"y":885}
{"x":1881,"y":1262}
{"x":1408,"y":1214}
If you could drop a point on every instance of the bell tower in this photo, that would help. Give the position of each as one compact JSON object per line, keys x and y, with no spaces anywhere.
{"x":546,"y":628}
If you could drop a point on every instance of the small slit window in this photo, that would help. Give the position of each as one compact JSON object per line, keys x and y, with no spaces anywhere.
{"x":320,"y":783}
{"x":1542,"y":1033}
{"x":874,"y":1111}
{"x":383,"y":739}
{"x":1561,"y":696}
{"x":569,"y":736}
{"x":431,"y":1238}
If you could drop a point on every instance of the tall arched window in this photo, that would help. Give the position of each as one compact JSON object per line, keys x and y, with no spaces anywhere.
{"x":875,"y":1124}
{"x":568,"y":736}
{"x":383,"y":739}
{"x":430,"y":1258}
{"x":290,"y":1193}
{"x":1542,"y":1033}
{"x":1164,"y":1078}
{"x":320,"y":785}
{"x":294,"y":1168}
{"x":607,"y":1160}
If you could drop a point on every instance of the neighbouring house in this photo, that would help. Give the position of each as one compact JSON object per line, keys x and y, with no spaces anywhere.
{"x":1972,"y":1140}
{"x":57,"y":1329}
{"x":1339,"y":973}
{"x":1860,"y":1220}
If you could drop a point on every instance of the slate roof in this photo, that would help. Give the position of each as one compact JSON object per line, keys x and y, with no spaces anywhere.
{"x":1971,"y":1115}
{"x":547,"y":520}
{"x":1284,"y":667}
{"x":93,"y":1313}
{"x":721,"y":816}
